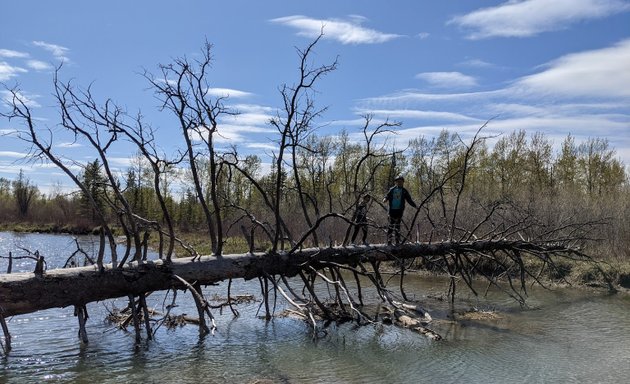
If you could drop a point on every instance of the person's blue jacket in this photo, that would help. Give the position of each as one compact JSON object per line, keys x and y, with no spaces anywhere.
{"x":405,"y":197}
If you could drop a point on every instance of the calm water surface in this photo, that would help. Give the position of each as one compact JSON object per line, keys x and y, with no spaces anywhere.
{"x":569,"y":337}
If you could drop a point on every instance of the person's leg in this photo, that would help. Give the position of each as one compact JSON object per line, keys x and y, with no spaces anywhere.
{"x":364,"y":228}
{"x":397,"y":229}
{"x":355,"y":233}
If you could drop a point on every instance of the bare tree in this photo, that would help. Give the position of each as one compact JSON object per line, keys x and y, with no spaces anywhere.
{"x":184,"y":89}
{"x":293,"y":125}
{"x":23,"y":191}
{"x":42,"y":150}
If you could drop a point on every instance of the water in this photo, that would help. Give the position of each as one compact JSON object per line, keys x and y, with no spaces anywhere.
{"x":571,"y":336}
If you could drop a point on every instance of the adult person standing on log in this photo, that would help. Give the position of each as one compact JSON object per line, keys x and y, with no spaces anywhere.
{"x":397,"y":196}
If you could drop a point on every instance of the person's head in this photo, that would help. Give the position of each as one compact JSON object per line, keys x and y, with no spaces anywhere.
{"x":366,"y":198}
{"x":399,"y":180}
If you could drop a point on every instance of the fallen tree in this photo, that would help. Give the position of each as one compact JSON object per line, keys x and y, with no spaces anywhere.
{"x":22,"y":293}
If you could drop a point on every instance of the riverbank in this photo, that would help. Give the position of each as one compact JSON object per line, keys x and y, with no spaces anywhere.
{"x":597,"y":274}
{"x":65,"y":229}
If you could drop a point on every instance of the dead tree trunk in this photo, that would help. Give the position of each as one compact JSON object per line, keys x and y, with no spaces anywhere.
{"x":22,"y":293}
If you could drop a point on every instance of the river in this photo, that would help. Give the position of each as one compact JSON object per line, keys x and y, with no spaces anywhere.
{"x":566,"y":336}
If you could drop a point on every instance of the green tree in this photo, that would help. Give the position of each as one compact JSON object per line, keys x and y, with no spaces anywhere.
{"x":509,"y":156}
{"x":539,"y":155}
{"x":96,"y":187}
{"x":601,"y":172}
{"x":24,"y":192}
{"x":566,"y":166}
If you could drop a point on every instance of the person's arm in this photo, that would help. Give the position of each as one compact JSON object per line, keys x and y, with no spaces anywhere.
{"x":387,"y":195}
{"x":409,"y":199}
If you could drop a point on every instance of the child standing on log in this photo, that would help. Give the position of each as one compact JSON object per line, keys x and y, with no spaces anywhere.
{"x":360,"y":219}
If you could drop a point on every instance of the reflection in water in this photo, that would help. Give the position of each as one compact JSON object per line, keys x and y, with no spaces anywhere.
{"x":572,"y":336}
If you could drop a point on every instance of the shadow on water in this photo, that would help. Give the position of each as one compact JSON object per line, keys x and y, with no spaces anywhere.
{"x":571,"y":336}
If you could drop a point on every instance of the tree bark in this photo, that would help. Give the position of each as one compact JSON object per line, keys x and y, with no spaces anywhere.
{"x":22,"y":293}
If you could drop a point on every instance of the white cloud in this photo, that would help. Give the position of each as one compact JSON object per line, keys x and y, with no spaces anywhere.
{"x":263,"y":146}
{"x":28,"y":100}
{"x":344,"y":31}
{"x":39,"y":65}
{"x":423,"y":35}
{"x":585,"y":94}
{"x":10,"y":54}
{"x":405,"y":98}
{"x":560,"y":125}
{"x":517,"y":18}
{"x":8,"y":71}
{"x":249,"y":115}
{"x":11,"y":170}
{"x":241,"y":135}
{"x":69,"y":145}
{"x":241,"y":128}
{"x":447,"y":79}
{"x":57,"y":51}
{"x":598,"y":73}
{"x":17,"y":155}
{"x":416,"y":114}
{"x":477,"y":63}
{"x":121,"y":162}
{"x":226,"y":92}
{"x":247,"y":119}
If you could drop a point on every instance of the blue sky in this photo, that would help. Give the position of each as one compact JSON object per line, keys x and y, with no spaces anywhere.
{"x":554,"y":66}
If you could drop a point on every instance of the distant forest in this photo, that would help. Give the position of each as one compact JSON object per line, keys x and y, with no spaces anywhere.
{"x":583,"y":181}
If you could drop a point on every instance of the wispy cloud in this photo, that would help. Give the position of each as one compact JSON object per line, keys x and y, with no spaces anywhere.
{"x":12,"y":154}
{"x":250,"y":124}
{"x":348,"y":31}
{"x":58,"y":51}
{"x":69,"y":145}
{"x":27,"y":99}
{"x":240,"y":134}
{"x":517,"y":18}
{"x":477,"y":63}
{"x":447,"y":79}
{"x":121,"y":162}
{"x":8,"y":71}
{"x":267,"y":147}
{"x":10,"y":54}
{"x":410,"y":97}
{"x":227,"y":92}
{"x":249,"y":115}
{"x":585,"y":94}
{"x":597,"y":73}
{"x":39,"y":65}
{"x":416,"y":114}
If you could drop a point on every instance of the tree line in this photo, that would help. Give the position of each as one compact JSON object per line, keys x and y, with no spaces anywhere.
{"x":328,"y":175}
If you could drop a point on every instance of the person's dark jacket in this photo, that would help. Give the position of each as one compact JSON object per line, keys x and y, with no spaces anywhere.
{"x":360,"y":214}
